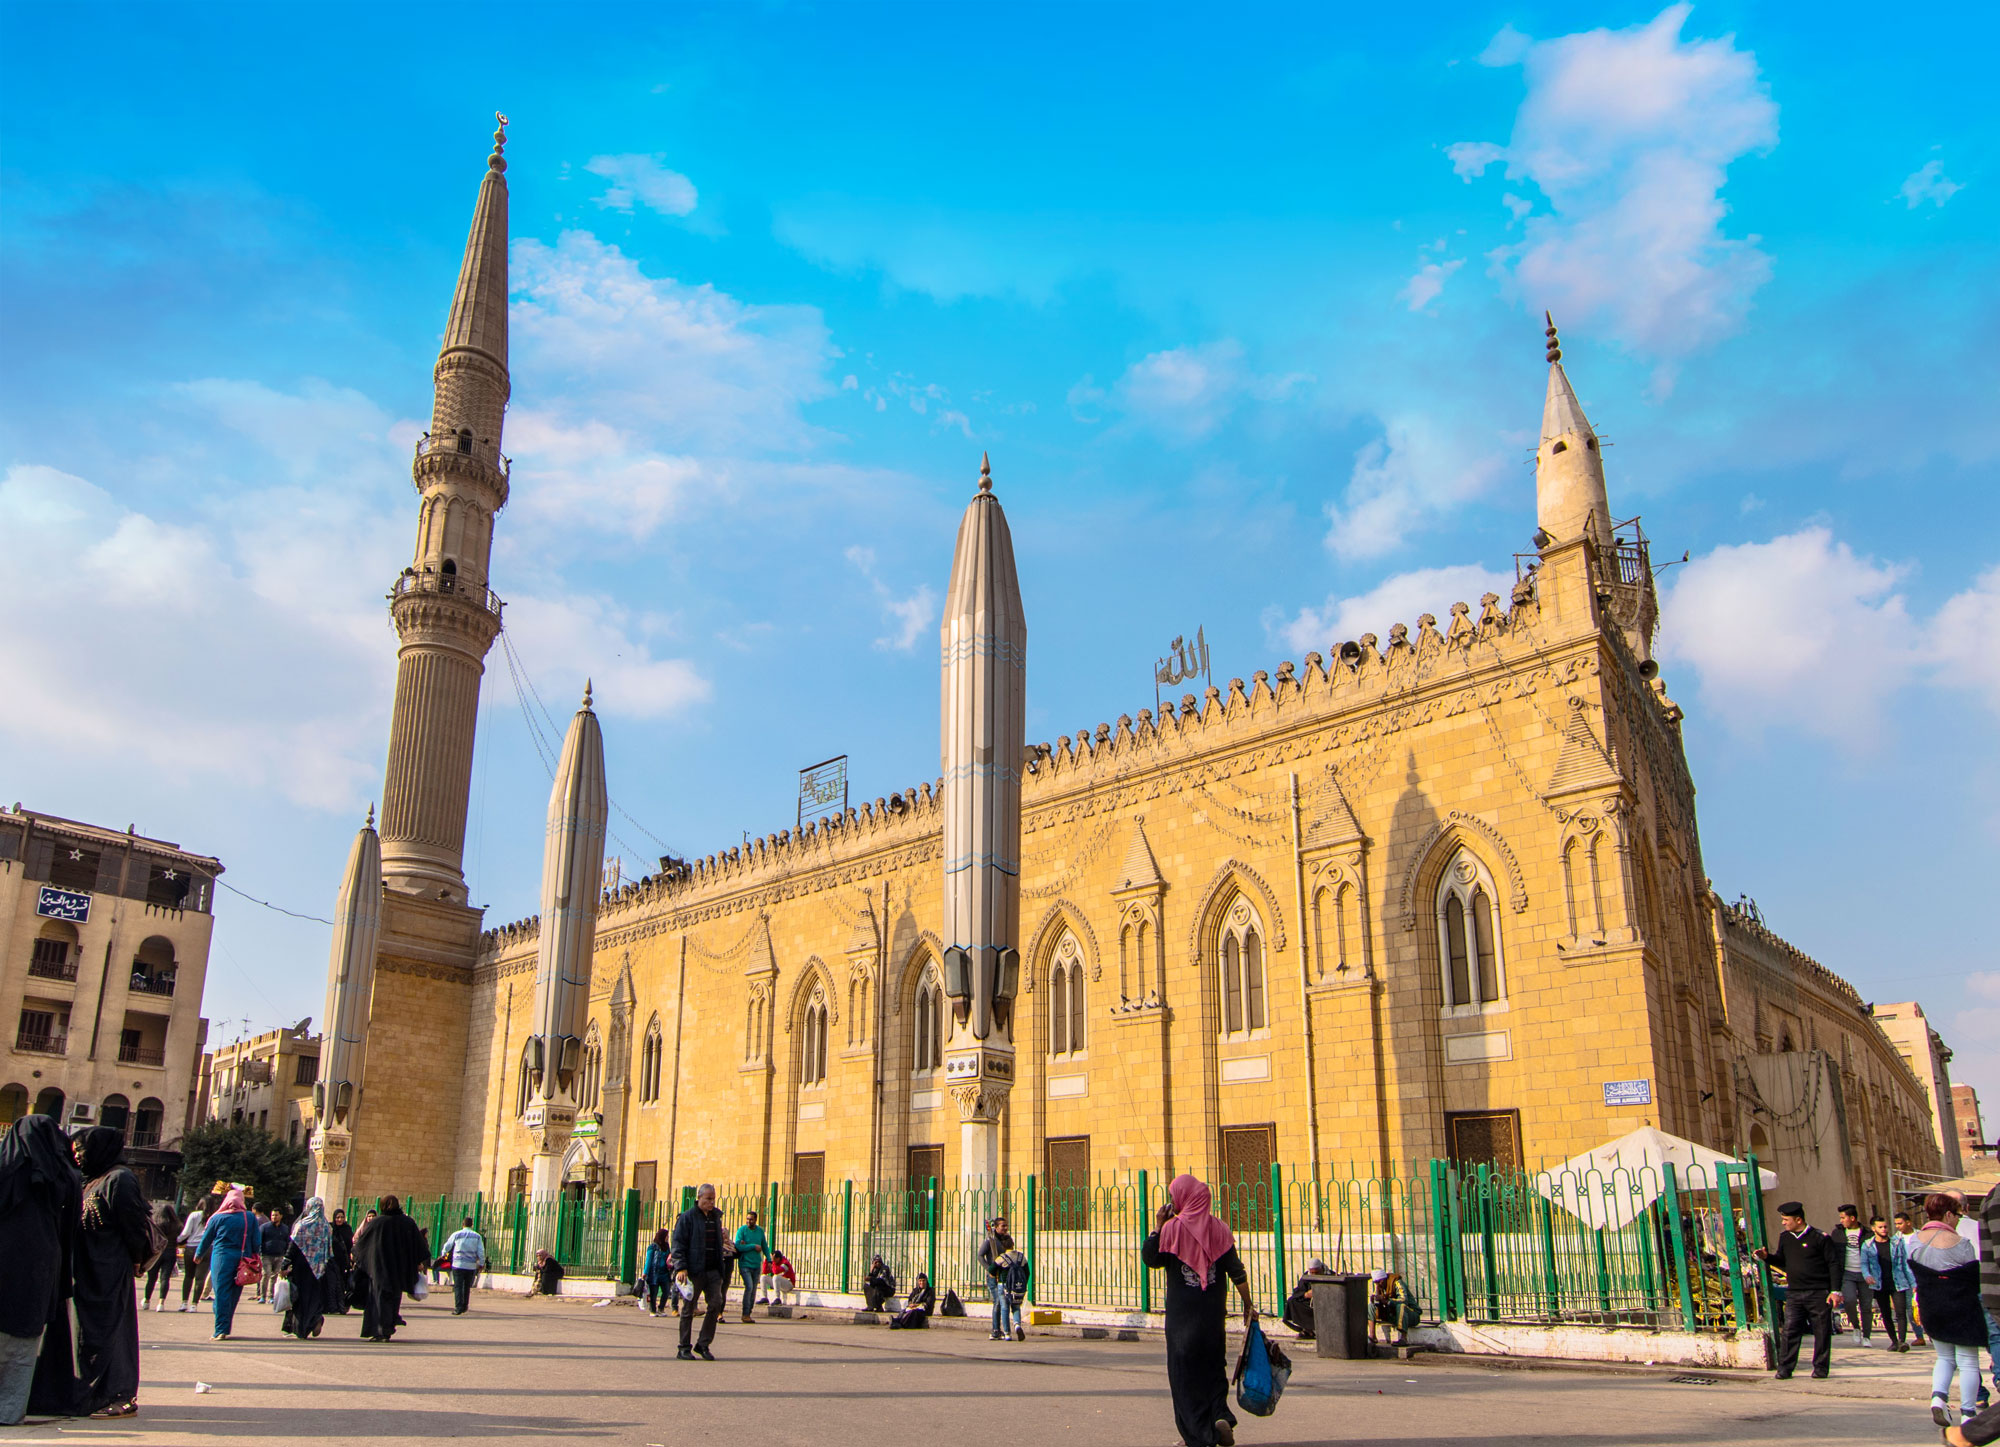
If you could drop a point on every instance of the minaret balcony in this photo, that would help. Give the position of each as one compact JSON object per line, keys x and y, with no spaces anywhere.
{"x":442,"y":584}
{"x":458,"y":455}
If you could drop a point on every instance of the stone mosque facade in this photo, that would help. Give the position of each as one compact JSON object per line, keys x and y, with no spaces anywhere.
{"x":1436,"y":892}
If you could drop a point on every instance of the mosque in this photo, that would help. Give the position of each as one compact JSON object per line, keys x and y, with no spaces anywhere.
{"x":1438,"y":893}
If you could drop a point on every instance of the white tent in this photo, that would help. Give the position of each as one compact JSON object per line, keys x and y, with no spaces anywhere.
{"x":1612,"y":1186}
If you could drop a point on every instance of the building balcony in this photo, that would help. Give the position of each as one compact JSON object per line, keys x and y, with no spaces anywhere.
{"x":439,"y":584}
{"x":40,"y":1042}
{"x":451,"y":445}
{"x":152,"y":984}
{"x":140,"y":1055}
{"x":146,"y":1140}
{"x":53,"y":970}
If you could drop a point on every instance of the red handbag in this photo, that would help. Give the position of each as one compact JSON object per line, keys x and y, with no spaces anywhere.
{"x":249,"y":1269}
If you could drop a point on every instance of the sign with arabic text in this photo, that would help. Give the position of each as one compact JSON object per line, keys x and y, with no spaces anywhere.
{"x":69,"y":904}
{"x":1628,"y":1092}
{"x":823,"y":789}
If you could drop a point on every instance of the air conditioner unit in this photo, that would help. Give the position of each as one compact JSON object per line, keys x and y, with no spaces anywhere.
{"x":83,"y":1111}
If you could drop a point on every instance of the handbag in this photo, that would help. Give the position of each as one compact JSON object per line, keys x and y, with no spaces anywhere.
{"x":1261,"y":1373}
{"x":249,"y":1270}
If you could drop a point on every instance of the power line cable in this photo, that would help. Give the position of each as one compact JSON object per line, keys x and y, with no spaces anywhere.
{"x":268,"y":905}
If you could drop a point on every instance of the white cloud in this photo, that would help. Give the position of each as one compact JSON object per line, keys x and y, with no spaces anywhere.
{"x":1401,"y":599}
{"x":1630,"y":134}
{"x":909,"y":617}
{"x":645,"y":179}
{"x":1965,"y":644}
{"x":1416,"y":469}
{"x":1188,"y":392}
{"x":567,"y":639}
{"x":1796,"y":632}
{"x":1423,"y":288}
{"x":1929,"y":183}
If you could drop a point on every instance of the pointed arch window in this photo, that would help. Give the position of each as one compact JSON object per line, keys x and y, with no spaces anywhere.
{"x":1066,"y":998}
{"x":649,"y":1062}
{"x":1241,"y":957}
{"x":1469,"y":946}
{"x":929,"y":1042}
{"x":524,"y":1092}
{"x":812,"y":1044}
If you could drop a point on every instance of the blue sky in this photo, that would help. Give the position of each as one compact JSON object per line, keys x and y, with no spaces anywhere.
{"x":1245,"y":304}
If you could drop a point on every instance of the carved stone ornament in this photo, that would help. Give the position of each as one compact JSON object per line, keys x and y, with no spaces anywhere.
{"x":980,"y":1100}
{"x":1464,"y":823}
{"x":550,"y":1123}
{"x":331,"y":1148}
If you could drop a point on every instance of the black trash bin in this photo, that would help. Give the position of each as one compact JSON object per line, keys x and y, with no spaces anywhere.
{"x":1340,"y":1315}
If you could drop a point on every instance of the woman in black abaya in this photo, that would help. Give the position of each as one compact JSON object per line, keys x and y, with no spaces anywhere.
{"x":309,"y":1270}
{"x":391,"y":1254}
{"x":41,"y":1200}
{"x":1199,"y":1256}
{"x":340,"y":1265}
{"x":114,"y":1243}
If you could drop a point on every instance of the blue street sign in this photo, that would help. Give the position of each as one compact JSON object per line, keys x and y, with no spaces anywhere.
{"x":1628,"y":1092}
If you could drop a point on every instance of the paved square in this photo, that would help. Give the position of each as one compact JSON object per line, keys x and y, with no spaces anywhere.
{"x":535,"y":1370}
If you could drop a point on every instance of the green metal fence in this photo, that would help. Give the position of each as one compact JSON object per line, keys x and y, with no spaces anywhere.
{"x":1658,"y":1249}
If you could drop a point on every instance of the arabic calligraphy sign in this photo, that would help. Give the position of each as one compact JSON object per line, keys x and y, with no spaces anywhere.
{"x":823,"y":789}
{"x":53,"y":903}
{"x":1184,"y":661}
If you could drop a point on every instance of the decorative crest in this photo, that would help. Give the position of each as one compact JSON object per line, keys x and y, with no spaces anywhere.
{"x":586,"y":693}
{"x":1554,"y":343}
{"x":985,"y":474}
{"x":371,"y":817}
{"x":496,"y":161}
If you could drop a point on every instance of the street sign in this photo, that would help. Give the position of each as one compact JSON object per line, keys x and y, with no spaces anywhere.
{"x":1628,"y":1092}
{"x":53,"y":903}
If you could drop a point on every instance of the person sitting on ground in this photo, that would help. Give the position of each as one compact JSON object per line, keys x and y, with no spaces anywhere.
{"x":1393,"y":1307}
{"x":548,"y":1274}
{"x":916,"y":1313}
{"x":879,"y":1285}
{"x":779,"y":1277}
{"x":1299,"y":1305}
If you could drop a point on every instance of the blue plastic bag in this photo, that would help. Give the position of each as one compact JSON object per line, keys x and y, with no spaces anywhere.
{"x":1261,"y":1373}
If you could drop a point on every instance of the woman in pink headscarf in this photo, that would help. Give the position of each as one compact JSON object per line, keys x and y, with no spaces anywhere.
{"x":1198,"y":1254}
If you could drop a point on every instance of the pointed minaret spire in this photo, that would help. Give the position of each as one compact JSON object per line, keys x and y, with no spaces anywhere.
{"x":982,"y":729}
{"x":445,"y":612}
{"x":572,"y":879}
{"x":350,"y":991}
{"x":1569,"y":465}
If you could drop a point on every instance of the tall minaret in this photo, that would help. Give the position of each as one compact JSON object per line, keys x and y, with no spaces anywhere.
{"x":983,"y":735}
{"x":1569,"y":463}
{"x":572,"y":878}
{"x":350,"y":987}
{"x":446,"y":617}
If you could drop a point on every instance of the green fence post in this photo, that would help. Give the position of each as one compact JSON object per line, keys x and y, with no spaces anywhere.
{"x":517,"y":1209}
{"x":930,"y":1232}
{"x":1603,"y":1273}
{"x":1033,"y":1285}
{"x":1484,"y":1185}
{"x":687,"y":1198}
{"x":1441,"y":1240}
{"x":1278,"y":1229}
{"x":1722,"y":1175}
{"x":1145,"y":1230}
{"x":846,"y":1233}
{"x":1646,"y":1261}
{"x":771,"y":1220}
{"x":628,"y":1239}
{"x":1753,"y":1185}
{"x":479,"y":1211}
{"x":1672,"y":1195}
{"x":1551,"y":1281}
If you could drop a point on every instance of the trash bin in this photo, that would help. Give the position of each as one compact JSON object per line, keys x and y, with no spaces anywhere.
{"x":1340,"y":1315}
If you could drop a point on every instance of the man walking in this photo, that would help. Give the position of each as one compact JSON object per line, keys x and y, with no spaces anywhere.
{"x":467,"y":1250}
{"x":751,"y":1246}
{"x":1885,"y":1271}
{"x":1853,"y":1290}
{"x":1811,"y":1261}
{"x":275,"y":1242}
{"x":700,"y":1255}
{"x":991,"y":1253}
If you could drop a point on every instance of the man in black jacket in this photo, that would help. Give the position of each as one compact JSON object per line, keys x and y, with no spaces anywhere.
{"x":1812,"y":1263}
{"x":701,"y":1249}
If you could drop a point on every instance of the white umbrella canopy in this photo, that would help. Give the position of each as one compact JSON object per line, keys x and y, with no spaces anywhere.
{"x":1612,"y":1186}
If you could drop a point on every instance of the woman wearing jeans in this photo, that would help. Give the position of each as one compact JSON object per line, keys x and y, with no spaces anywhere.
{"x":1946,"y":1267}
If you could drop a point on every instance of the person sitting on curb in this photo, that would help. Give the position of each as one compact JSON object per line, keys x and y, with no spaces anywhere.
{"x":879,"y":1285}
{"x":548,"y":1275}
{"x":779,"y":1278}
{"x":1393,"y":1307}
{"x":917,"y":1313}
{"x":1299,"y":1305}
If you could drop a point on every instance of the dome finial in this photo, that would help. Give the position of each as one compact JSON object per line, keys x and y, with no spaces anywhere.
{"x":496,"y":161}
{"x":1554,"y":342}
{"x":985,"y":474}
{"x":586,"y":693}
{"x":371,"y":817}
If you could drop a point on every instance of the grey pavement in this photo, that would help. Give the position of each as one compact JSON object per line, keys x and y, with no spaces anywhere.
{"x":536,"y":1370}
